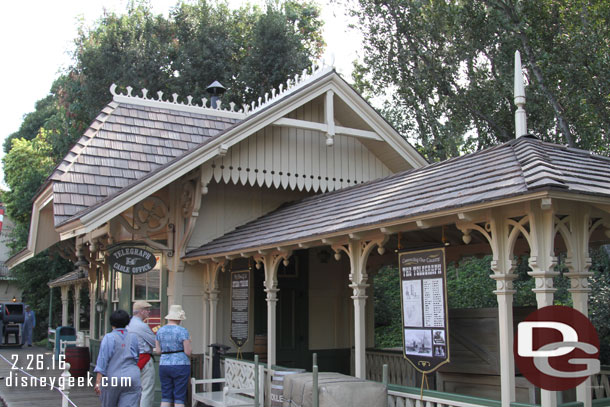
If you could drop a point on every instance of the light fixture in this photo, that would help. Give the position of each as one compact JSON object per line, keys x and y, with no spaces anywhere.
{"x":14,"y":299}
{"x":100,"y":305}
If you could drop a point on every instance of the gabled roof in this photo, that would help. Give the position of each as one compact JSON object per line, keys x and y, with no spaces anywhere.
{"x":125,"y":142}
{"x":184,"y":148}
{"x":519,"y":167}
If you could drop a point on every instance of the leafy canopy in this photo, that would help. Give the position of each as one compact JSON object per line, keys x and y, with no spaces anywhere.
{"x":448,"y":67}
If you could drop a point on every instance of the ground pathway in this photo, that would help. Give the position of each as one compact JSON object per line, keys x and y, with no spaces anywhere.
{"x":16,"y":366}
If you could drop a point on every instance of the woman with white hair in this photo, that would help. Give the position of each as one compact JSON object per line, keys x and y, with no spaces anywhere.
{"x":174,"y":344}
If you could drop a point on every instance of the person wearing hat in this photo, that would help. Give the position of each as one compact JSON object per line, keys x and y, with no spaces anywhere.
{"x":146,"y":342}
{"x":29,"y":322}
{"x":174,"y":344}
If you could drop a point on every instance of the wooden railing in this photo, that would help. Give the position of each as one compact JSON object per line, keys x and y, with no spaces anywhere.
{"x":400,"y":371}
{"x":601,"y":384}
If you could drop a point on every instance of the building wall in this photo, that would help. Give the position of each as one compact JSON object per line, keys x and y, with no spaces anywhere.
{"x":225,"y":207}
{"x":331,"y":308}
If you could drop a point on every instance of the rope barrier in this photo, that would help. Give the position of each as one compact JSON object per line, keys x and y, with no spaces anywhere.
{"x":64,"y":395}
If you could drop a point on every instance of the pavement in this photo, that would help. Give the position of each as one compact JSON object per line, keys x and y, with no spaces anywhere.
{"x":30,"y":377}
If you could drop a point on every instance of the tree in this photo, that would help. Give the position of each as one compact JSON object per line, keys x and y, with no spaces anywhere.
{"x":197,"y":44}
{"x":449,"y":69}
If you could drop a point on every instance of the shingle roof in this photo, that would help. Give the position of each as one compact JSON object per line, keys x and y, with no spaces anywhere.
{"x":518,"y":167}
{"x":124,"y":143}
{"x":69,"y":279}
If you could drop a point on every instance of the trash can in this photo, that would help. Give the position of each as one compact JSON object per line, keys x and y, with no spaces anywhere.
{"x":218,"y":349}
{"x":277,"y":384}
{"x":63,"y":333}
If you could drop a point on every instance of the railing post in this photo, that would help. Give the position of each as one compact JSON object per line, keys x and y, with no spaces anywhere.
{"x":316,"y":399}
{"x":65,"y":385}
{"x":256,"y":389}
{"x":384,"y":377}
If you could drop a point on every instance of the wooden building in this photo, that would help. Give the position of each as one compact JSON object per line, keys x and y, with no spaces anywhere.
{"x":310,"y":190}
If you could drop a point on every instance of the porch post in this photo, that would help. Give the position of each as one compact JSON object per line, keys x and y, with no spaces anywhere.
{"x":501,"y":235}
{"x":271,"y":262}
{"x":92,"y":312}
{"x":212,"y":295}
{"x":205,"y":319}
{"x":358,"y":252}
{"x":542,"y":262}
{"x":576,"y":238}
{"x":64,"y":304}
{"x":77,"y":307}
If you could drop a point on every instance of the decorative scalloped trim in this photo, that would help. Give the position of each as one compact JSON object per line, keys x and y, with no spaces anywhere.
{"x":292,"y":85}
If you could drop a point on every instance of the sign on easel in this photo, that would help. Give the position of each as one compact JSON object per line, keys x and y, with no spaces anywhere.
{"x":423,"y":288}
{"x":240,"y":296}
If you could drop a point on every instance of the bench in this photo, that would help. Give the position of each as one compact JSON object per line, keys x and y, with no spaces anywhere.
{"x":240,"y":386}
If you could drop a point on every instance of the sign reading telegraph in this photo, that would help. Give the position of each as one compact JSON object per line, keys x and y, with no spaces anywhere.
{"x":132,"y":260}
{"x":424,"y":308}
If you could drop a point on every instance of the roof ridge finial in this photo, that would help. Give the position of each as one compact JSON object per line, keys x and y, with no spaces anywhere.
{"x":520,"y":116}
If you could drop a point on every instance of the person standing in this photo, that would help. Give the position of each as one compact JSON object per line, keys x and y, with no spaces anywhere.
{"x":29,"y":323}
{"x":174,"y":344}
{"x":146,"y":342}
{"x":118,"y":377}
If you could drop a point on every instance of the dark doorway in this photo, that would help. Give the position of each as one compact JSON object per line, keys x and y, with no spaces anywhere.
{"x":292,"y":311}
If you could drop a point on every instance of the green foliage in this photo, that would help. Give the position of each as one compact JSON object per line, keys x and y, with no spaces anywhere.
{"x":33,"y":276}
{"x":449,"y":69}
{"x":469,"y":286}
{"x":26,"y":166}
{"x":388,"y":319}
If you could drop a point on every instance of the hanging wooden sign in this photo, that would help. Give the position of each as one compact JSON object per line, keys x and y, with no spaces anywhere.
{"x":132,"y":260}
{"x":240,"y":300}
{"x":423,"y":288}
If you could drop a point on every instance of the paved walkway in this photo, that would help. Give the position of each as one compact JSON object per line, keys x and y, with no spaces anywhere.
{"x":37,"y":362}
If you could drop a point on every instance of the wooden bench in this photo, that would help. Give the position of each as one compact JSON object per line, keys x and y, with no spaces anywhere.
{"x":240,"y":383}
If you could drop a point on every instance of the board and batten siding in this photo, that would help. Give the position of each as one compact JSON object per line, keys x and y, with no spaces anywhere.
{"x":297,"y":159}
{"x":227,"y":206}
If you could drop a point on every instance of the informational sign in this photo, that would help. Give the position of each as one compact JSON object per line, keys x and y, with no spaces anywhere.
{"x":424,"y":308}
{"x":132,"y":260}
{"x":240,"y":293}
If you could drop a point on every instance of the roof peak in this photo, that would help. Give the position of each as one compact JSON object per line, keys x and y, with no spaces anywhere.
{"x":293,"y":84}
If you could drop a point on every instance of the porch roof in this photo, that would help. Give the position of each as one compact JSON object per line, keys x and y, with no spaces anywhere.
{"x":522,"y":166}
{"x":71,"y":278}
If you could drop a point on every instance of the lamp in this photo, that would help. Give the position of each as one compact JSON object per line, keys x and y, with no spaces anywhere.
{"x":14,"y":299}
{"x":100,"y":305}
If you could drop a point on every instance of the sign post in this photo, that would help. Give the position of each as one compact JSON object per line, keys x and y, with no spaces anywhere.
{"x":424,"y":309}
{"x":240,"y":299}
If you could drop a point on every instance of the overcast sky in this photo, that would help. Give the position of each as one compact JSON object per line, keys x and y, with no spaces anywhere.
{"x":36,"y":37}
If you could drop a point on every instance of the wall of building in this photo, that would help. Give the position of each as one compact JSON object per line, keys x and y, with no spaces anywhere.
{"x":331,"y":308}
{"x":225,"y":207}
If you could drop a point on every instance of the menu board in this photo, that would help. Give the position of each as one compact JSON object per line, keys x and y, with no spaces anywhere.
{"x":240,"y":293}
{"x":424,"y":308}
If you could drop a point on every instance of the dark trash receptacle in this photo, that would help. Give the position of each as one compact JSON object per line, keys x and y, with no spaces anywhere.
{"x":63,"y":333}
{"x":218,"y":349}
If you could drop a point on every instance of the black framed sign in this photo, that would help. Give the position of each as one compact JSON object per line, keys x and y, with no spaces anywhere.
{"x":240,"y":300}
{"x":132,"y":260}
{"x":423,"y":296}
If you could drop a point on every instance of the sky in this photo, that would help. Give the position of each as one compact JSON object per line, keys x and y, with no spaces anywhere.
{"x":36,"y":39}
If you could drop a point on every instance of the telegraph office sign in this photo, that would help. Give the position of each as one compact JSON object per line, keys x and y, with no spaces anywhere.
{"x":132,"y":260}
{"x":424,"y":308}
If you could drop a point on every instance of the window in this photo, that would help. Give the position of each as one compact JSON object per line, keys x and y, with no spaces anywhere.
{"x":147,"y":286}
{"x":116,"y":288}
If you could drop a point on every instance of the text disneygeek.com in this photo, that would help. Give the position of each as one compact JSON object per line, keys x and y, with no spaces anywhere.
{"x":15,"y":379}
